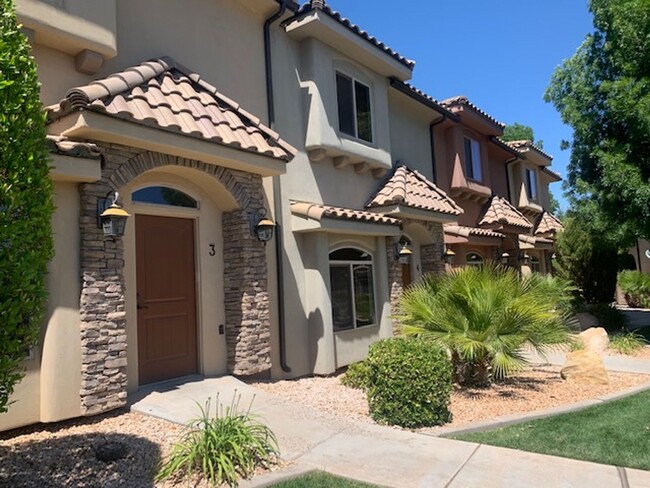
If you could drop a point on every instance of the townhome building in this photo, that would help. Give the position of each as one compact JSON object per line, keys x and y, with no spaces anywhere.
{"x":281,"y":181}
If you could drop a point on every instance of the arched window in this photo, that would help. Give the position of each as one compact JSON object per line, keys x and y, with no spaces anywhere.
{"x":162,"y":195}
{"x":352,"y":289}
{"x":473,"y":259}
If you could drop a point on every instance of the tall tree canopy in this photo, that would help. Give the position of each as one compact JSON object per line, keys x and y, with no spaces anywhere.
{"x":520,"y":132}
{"x":25,"y":203}
{"x":603,"y":93}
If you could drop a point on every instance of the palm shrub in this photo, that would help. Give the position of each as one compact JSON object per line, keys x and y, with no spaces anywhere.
{"x":485,"y":317}
{"x":222,"y":448}
{"x":636,"y":287}
{"x":408,"y":382}
{"x":25,"y":203}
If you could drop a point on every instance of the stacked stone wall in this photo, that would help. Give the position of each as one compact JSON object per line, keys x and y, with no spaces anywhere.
{"x":103,"y":290}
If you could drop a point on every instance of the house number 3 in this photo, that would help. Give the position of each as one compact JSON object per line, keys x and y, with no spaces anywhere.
{"x":213,"y":251}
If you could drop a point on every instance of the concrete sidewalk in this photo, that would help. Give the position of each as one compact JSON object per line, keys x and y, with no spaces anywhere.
{"x":310,"y":439}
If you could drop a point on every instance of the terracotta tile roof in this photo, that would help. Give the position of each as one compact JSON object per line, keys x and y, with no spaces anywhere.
{"x":66,"y":147}
{"x":462,"y":231}
{"x":548,"y":225}
{"x":501,"y":212}
{"x":322,"y":6}
{"x":464,"y":101}
{"x":535,"y":241}
{"x":410,"y":188}
{"x":165,"y":95}
{"x":319,"y":211}
{"x":525,"y":144}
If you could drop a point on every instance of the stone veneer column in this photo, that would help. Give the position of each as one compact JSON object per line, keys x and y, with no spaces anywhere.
{"x":103,"y":317}
{"x":102,"y":301}
{"x":395,"y":281}
{"x":431,"y":258}
{"x":248,"y":323}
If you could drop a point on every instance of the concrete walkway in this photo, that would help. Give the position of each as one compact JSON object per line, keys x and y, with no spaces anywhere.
{"x":310,"y":439}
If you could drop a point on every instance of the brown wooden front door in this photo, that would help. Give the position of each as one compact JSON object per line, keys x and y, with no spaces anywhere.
{"x":406,"y":275}
{"x":167,"y":336}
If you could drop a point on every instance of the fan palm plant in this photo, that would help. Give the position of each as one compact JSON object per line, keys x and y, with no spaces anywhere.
{"x":486,"y":316}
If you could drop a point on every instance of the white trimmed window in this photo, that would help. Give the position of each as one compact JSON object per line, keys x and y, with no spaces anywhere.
{"x":352,"y":289}
{"x":473,"y":159}
{"x":531,"y":184}
{"x":354,"y":104}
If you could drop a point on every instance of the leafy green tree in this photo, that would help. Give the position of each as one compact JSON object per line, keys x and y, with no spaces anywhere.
{"x":587,"y":253}
{"x":553,"y":204}
{"x":520,"y":132}
{"x":25,"y":203}
{"x":485,"y":317}
{"x":603,"y":93}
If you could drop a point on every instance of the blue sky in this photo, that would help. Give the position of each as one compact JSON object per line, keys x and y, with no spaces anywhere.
{"x":500,"y":54}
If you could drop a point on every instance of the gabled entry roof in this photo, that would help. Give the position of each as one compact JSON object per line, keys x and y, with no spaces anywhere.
{"x":501,"y":213}
{"x":548,"y":225}
{"x":165,"y":95}
{"x":409,"y":188}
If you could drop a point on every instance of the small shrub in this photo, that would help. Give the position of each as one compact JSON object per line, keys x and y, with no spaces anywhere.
{"x":636,"y":287}
{"x":221,"y":449}
{"x":626,"y":342}
{"x":409,"y":383}
{"x":609,"y":317}
{"x":356,"y":376}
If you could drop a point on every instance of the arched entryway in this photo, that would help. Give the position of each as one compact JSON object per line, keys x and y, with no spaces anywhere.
{"x":196,"y":314}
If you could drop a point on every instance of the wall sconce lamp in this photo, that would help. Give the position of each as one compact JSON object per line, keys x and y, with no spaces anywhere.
{"x":448,"y":256}
{"x":504,"y":258}
{"x":553,"y":257}
{"x":111,"y":217}
{"x":261,"y":227}
{"x":402,"y":253}
{"x":526,"y":258}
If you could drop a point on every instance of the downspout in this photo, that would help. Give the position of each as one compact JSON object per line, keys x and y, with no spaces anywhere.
{"x":277,"y":198}
{"x":508,"y":163}
{"x":433,"y":146}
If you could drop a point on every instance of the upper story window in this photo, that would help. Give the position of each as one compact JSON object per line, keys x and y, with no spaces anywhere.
{"x":162,"y":195}
{"x":473,"y":159}
{"x":355,"y":118}
{"x":531,"y":184}
{"x":352,"y":289}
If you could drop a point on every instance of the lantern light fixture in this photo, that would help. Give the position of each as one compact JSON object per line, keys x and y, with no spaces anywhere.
{"x":402,"y":252}
{"x":111,"y":216}
{"x":448,"y":256}
{"x":261,"y":226}
{"x":504,"y":258}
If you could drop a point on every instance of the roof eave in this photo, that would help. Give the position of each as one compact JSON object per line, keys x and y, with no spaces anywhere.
{"x":405,"y":211}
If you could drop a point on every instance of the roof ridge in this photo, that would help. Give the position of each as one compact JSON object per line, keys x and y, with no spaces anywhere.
{"x":464,"y":100}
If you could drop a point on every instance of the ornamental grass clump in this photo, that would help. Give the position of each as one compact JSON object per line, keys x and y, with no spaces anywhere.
{"x":486,"y":317}
{"x":223,"y":448}
{"x":408,"y":383}
{"x":628,"y":343}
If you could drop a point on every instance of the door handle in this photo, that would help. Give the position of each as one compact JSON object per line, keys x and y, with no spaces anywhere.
{"x":140,"y":307}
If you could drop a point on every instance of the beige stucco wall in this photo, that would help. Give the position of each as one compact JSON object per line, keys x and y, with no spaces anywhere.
{"x":50,"y":390}
{"x":410,"y":141}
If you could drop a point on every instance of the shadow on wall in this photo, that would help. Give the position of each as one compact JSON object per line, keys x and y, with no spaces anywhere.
{"x":72,"y":460}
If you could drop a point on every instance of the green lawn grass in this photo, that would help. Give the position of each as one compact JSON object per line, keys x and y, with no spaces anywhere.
{"x":615,"y":433}
{"x":321,"y":480}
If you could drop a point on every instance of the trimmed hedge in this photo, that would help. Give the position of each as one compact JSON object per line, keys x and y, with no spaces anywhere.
{"x":409,"y":383}
{"x":25,"y":203}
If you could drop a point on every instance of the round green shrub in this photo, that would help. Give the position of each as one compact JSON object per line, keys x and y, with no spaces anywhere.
{"x":25,"y":203}
{"x":356,"y":376}
{"x":409,"y":383}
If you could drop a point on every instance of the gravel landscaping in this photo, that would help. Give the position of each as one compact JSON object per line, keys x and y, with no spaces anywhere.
{"x":65,"y":454}
{"x":643,"y":353}
{"x":537,"y":388}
